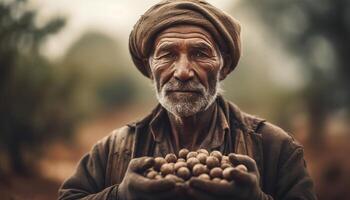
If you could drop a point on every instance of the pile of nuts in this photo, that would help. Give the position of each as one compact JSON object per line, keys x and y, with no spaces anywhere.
{"x":214,"y":166}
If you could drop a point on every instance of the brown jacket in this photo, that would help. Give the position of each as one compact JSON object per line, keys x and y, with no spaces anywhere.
{"x":279,"y":158}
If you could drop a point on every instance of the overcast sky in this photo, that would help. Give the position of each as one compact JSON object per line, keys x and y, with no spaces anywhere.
{"x":113,"y":17}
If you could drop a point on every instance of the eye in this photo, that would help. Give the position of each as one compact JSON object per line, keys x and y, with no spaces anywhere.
{"x":200,"y":54}
{"x":168,"y":55}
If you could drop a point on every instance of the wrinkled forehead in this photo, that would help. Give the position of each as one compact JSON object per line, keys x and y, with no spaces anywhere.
{"x":188,"y":33}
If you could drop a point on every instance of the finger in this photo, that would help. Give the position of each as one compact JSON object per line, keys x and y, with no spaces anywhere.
{"x":217,"y":189}
{"x":166,"y":195}
{"x":199,"y":194}
{"x":242,"y":177}
{"x":242,"y":168}
{"x":143,"y":184}
{"x":141,"y":164}
{"x":238,"y":159}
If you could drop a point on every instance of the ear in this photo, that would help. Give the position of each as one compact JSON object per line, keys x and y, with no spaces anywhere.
{"x":147,"y":64}
{"x":224,"y":71}
{"x":150,"y":74}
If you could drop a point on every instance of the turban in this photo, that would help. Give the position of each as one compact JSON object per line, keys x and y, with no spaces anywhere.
{"x":224,"y":29}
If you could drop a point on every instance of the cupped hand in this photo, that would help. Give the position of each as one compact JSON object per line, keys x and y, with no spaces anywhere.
{"x":135,"y":186}
{"x":244,"y":184}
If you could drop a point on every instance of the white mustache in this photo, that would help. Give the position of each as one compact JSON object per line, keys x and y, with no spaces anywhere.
{"x":187,"y":86}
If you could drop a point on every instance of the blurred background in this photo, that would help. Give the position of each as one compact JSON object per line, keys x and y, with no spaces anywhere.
{"x":67,"y":80}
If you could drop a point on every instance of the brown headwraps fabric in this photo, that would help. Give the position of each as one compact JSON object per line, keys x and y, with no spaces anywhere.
{"x":224,"y":29}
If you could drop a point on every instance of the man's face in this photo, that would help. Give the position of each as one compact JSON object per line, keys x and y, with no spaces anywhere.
{"x":185,"y":66}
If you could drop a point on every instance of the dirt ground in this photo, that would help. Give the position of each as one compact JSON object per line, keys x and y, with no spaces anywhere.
{"x":28,"y":188}
{"x":60,"y":158}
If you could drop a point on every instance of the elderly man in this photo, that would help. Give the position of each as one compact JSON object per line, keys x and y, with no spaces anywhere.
{"x":186,"y":47}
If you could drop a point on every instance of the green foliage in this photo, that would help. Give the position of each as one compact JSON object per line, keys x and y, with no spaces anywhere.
{"x":34,"y":105}
{"x":40,"y":100}
{"x":317,"y":32}
{"x":116,"y":92}
{"x":102,"y":72}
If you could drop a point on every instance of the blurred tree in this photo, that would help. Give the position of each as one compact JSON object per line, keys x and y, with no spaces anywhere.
{"x":103,"y":72}
{"x":34,"y":96}
{"x":317,"y":32}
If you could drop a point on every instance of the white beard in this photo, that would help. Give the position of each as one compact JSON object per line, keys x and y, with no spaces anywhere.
{"x":187,"y":105}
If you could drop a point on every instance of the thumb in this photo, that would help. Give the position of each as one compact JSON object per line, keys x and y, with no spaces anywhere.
{"x":238,"y":159}
{"x":141,"y":164}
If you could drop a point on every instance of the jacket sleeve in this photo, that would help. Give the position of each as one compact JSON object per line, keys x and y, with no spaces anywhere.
{"x":88,"y":180}
{"x":294,"y":181}
{"x":286,"y":175}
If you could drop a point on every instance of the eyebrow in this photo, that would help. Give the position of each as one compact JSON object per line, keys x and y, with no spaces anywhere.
{"x":166,"y":46}
{"x":202,"y":46}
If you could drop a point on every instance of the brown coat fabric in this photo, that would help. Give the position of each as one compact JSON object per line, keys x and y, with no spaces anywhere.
{"x":278,"y":156}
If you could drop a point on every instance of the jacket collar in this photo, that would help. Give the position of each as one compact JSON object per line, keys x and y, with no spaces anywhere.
{"x":248,"y":140}
{"x":160,"y":125}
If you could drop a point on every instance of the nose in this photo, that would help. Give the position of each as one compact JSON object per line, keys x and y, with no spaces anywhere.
{"x":183,"y":69}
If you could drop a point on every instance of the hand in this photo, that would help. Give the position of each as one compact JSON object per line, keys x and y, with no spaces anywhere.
{"x":136,"y":186}
{"x":245,"y":184}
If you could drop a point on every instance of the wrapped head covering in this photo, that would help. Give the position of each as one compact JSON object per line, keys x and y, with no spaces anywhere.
{"x":224,"y":29}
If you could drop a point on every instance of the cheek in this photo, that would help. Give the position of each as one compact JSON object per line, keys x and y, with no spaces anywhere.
{"x":161,"y":71}
{"x":208,"y":71}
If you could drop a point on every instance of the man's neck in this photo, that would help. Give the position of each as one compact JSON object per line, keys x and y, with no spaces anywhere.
{"x":189,"y":131}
